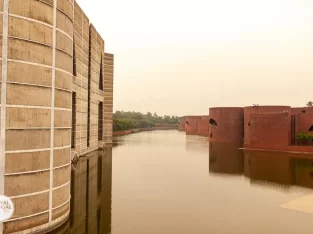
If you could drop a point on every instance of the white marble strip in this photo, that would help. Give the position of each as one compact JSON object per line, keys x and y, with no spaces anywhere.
{"x":28,"y":216}
{"x":63,"y":204}
{"x":52,"y":107}
{"x":30,"y":19}
{"x":4,"y":95}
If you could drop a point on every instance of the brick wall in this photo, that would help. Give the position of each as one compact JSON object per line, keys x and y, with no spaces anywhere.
{"x":229,"y":124}
{"x":181,"y":124}
{"x":192,"y":125}
{"x":203,"y":126}
{"x":298,"y":110}
{"x":269,"y":130}
{"x":303,"y":122}
{"x":259,"y":110}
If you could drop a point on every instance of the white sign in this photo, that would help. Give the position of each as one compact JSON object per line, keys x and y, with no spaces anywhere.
{"x":6,"y":208}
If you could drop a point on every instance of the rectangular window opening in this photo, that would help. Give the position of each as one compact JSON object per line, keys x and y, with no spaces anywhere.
{"x":100,"y":122}
{"x":101,"y":75}
{"x":89,"y":82}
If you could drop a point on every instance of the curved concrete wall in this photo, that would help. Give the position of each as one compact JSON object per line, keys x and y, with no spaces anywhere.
{"x":203,"y":126}
{"x":259,"y":110}
{"x":229,"y":124}
{"x":181,"y":124}
{"x":36,"y":92}
{"x":191,"y":125}
{"x":51,"y":58}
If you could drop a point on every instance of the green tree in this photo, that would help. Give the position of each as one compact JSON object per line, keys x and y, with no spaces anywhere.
{"x":310,"y":104}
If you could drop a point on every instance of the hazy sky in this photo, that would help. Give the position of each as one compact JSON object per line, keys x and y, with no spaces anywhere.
{"x":182,"y":57}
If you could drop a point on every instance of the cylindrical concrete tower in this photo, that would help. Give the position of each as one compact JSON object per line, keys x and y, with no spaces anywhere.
{"x":36,"y":94}
{"x":226,"y":124}
{"x":259,"y":110}
{"x":191,"y":125}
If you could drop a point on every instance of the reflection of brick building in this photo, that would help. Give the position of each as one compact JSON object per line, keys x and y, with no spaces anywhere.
{"x":191,"y":125}
{"x":203,"y":126}
{"x":270,"y":167}
{"x":226,"y":158}
{"x":226,"y":124}
{"x":279,"y":167}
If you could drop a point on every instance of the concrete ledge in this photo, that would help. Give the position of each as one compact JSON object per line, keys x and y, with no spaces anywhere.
{"x":290,"y":150}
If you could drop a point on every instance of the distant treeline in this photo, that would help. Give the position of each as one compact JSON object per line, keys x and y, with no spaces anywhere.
{"x":131,"y":120}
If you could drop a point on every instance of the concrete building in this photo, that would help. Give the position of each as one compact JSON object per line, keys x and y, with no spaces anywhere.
{"x":56,"y":95}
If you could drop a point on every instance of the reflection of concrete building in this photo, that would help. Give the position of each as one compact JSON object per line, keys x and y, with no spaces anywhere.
{"x":226,"y":124}
{"x":226,"y":158}
{"x":56,"y":94}
{"x":91,"y":188}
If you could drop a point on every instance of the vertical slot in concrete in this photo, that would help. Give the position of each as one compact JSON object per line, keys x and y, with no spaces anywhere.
{"x":101,"y":75}
{"x":100,"y":122}
{"x":73,"y":119}
{"x":89,"y":83}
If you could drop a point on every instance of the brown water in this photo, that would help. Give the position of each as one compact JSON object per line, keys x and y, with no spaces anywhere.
{"x":164,"y":182}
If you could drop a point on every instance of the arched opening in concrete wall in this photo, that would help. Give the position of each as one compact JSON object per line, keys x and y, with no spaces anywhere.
{"x":212,"y":122}
{"x":311,"y":129}
{"x":303,"y":111}
{"x":187,"y":122}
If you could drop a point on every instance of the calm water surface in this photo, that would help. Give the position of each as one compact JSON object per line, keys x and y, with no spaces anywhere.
{"x":165,"y":182}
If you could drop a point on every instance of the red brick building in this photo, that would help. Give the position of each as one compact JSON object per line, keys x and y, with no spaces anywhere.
{"x":181,"y":123}
{"x":191,"y":125}
{"x":249,"y":110}
{"x":226,"y":124}
{"x":203,"y":126}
